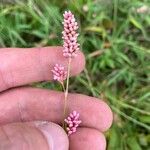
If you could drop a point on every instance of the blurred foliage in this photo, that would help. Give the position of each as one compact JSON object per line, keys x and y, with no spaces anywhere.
{"x":115,"y":37}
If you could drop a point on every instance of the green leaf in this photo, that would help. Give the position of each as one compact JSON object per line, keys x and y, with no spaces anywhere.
{"x":144,"y":118}
{"x":133,"y":143}
{"x":98,"y":29}
{"x":135,"y":22}
{"x":115,"y":142}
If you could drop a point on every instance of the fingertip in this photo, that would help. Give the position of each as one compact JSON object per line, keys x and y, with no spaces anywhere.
{"x":97,"y":111}
{"x":78,"y":63}
{"x":107,"y":117}
{"x":103,"y":119}
{"x":87,"y":138}
{"x":54,"y":54}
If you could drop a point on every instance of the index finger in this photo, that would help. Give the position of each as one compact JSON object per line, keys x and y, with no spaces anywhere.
{"x":20,"y":66}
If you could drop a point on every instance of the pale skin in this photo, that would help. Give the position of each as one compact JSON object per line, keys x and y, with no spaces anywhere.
{"x":23,"y":108}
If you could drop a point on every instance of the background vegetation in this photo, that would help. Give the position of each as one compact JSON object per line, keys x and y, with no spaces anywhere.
{"x":115,"y":37}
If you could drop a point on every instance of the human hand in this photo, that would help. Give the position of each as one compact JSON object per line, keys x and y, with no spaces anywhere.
{"x":21,"y":107}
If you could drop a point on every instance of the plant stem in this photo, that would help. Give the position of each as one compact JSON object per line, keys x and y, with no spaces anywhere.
{"x":63,"y":87}
{"x":90,"y":82}
{"x":66,"y":91}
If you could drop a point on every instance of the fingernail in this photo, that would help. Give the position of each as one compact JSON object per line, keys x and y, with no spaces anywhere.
{"x":54,"y":134}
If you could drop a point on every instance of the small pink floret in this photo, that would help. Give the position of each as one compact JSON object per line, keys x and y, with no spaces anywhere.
{"x":59,"y":73}
{"x":72,"y":122}
{"x":71,"y":46}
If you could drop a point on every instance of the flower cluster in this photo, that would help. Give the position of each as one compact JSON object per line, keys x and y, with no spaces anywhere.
{"x":70,"y":49}
{"x":70,"y":35}
{"x":59,"y":73}
{"x":72,"y":122}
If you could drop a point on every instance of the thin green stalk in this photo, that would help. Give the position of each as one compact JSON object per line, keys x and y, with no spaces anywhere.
{"x":90,"y":82}
{"x":134,"y":108}
{"x":130,"y":118}
{"x":63,"y":87}
{"x":66,"y":91}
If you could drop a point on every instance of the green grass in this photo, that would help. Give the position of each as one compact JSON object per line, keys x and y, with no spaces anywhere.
{"x":116,"y":42}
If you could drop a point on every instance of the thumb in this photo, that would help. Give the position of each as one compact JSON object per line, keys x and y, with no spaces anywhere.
{"x":33,"y":135}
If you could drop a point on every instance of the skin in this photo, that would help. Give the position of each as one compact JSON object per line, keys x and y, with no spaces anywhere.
{"x":23,"y":109}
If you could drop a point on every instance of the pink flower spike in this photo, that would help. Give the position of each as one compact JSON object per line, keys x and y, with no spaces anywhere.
{"x":72,"y":122}
{"x":59,"y":73}
{"x":70,"y":35}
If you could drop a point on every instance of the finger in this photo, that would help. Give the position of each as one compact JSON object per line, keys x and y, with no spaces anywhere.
{"x":88,"y":139}
{"x":22,"y":66}
{"x":35,"y":135}
{"x":40,"y":104}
